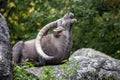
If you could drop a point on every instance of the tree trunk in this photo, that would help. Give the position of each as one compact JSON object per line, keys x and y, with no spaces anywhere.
{"x":5,"y":51}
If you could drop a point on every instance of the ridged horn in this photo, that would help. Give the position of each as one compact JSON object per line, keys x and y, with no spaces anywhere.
{"x":38,"y":40}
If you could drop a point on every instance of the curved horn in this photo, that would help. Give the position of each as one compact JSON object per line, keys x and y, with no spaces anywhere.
{"x":39,"y":37}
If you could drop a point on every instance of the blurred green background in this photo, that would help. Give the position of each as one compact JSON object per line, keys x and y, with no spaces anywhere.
{"x":98,"y":25}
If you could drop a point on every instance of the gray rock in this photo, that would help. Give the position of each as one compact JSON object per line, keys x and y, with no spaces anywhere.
{"x":5,"y":51}
{"x":95,"y":65}
{"x":84,"y":64}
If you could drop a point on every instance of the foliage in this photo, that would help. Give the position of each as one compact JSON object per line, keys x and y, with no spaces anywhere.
{"x":20,"y":73}
{"x":98,"y":26}
{"x":50,"y":72}
{"x":109,"y":78}
{"x":47,"y":73}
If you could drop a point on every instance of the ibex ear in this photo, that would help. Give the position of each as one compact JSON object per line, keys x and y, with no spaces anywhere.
{"x":57,"y":31}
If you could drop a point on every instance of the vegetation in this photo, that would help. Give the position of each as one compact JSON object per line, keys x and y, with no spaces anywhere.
{"x":50,"y":73}
{"x":98,"y":25}
{"x":47,"y":72}
{"x":21,"y":74}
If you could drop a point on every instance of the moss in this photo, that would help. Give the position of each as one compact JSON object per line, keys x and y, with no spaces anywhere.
{"x":109,"y":78}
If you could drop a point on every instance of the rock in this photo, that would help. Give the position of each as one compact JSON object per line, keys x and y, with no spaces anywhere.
{"x":5,"y":51}
{"x":95,"y":65}
{"x":88,"y":52}
{"x":84,"y":64}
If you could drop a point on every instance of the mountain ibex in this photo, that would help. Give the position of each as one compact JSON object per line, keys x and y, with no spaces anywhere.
{"x":47,"y":49}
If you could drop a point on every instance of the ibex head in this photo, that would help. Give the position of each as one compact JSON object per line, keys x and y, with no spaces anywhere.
{"x":67,"y":20}
{"x":64,"y":24}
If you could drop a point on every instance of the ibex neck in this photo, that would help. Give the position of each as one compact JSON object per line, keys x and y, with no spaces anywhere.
{"x":67,"y":44}
{"x":63,"y":42}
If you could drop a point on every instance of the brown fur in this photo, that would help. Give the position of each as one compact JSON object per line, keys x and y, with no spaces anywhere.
{"x":51,"y":46}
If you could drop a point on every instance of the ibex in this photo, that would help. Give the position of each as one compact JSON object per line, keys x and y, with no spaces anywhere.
{"x":47,"y":49}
